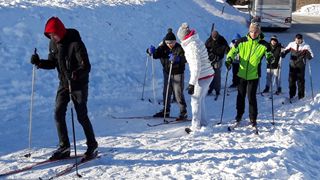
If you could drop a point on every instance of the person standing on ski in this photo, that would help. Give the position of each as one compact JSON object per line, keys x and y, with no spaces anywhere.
{"x":274,"y":69}
{"x":170,"y":52}
{"x":217,"y":47}
{"x":68,"y":54}
{"x":235,"y":64}
{"x":300,"y":53}
{"x":201,"y":73}
{"x":251,"y":50}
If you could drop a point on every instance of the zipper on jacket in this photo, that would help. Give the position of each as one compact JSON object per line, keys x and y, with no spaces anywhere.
{"x":249,"y":59}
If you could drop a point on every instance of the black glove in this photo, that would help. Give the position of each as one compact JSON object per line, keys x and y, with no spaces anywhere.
{"x":228,"y":63}
{"x":35,"y":59}
{"x":271,"y":60}
{"x":308,"y":55}
{"x":190,"y":89}
{"x":283,"y":54}
{"x":213,"y":58}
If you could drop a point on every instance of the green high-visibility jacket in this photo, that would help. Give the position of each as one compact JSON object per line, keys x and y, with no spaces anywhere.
{"x":251,"y":52}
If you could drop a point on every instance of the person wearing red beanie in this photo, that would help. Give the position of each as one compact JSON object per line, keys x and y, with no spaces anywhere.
{"x":68,"y":54}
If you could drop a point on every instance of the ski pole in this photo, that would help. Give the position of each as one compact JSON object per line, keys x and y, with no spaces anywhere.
{"x":224,"y":96}
{"x":272,"y":71}
{"x":145,"y":76}
{"x":310,"y":75}
{"x":68,"y":63}
{"x":153,"y":81}
{"x":31,"y":106}
{"x":167,"y":93}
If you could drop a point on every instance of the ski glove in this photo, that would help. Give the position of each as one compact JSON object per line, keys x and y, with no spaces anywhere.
{"x":308,"y":55}
{"x":171,"y":57}
{"x":35,"y":59}
{"x":190,"y":89}
{"x":151,"y":50}
{"x":228,"y":63}
{"x":271,"y":60}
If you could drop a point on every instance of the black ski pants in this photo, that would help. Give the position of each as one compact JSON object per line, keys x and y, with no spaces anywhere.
{"x":79,"y":98}
{"x":250,"y":87}
{"x":235,"y":70}
{"x":296,"y":77}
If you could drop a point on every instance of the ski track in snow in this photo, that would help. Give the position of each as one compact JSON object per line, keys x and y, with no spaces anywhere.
{"x":116,"y":33}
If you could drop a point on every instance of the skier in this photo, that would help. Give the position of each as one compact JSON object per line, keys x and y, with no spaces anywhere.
{"x":68,"y":54}
{"x":169,"y":51}
{"x":216,"y":46}
{"x":201,"y":73}
{"x":274,"y":69}
{"x":250,"y":49}
{"x":300,"y":52}
{"x":235,"y":64}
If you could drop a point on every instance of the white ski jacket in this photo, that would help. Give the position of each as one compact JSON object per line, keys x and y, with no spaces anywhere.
{"x":197,"y":57}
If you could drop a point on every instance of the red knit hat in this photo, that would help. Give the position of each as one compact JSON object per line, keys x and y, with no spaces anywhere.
{"x":54,"y":25}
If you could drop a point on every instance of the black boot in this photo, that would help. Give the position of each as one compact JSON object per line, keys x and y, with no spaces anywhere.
{"x":91,"y":152}
{"x":253,"y":122}
{"x":278,"y":91}
{"x":266,"y":89}
{"x":238,"y":117}
{"x":61,"y":153}
{"x":161,"y":114}
{"x":183,"y":116}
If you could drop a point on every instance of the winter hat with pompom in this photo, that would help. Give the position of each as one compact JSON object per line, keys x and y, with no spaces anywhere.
{"x":183,"y":31}
{"x":170,"y":36}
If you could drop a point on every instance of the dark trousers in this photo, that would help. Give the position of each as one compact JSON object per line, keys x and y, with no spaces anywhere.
{"x":176,"y":87}
{"x":79,"y":98}
{"x":250,"y":86}
{"x":235,"y":70}
{"x":296,"y":77}
{"x":216,"y":82}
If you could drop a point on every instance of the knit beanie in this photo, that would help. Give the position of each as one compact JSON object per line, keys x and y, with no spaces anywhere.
{"x":170,"y":36}
{"x":274,"y":37}
{"x":183,"y":31}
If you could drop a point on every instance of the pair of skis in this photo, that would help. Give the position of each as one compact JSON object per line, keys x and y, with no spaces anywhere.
{"x":168,"y":120}
{"x":65,"y":171}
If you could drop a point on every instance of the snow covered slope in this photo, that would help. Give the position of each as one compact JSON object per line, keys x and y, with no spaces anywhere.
{"x":117,"y":33}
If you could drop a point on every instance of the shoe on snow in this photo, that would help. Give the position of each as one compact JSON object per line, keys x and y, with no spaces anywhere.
{"x":161,"y":114}
{"x":60,"y":153}
{"x":91,"y":153}
{"x":188,"y":130}
{"x":182,"y":116}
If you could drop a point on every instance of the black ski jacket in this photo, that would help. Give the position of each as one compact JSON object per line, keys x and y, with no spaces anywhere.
{"x":69,"y":56}
{"x":162,"y":53}
{"x":276,"y":51}
{"x":216,"y":50}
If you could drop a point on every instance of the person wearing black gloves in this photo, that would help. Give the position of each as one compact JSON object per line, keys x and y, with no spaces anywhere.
{"x":300,"y":52}
{"x":274,"y":69}
{"x":170,"y":52}
{"x":201,"y":74}
{"x":250,"y":49}
{"x":217,"y":47}
{"x":68,"y":54}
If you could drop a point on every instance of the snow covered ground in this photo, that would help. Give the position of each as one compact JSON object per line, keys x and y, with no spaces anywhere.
{"x":116,"y":33}
{"x":309,"y":10}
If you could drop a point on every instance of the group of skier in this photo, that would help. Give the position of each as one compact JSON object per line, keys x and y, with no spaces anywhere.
{"x":243,"y":55}
{"x":68,"y":54}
